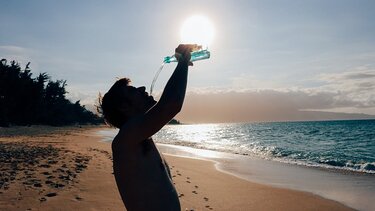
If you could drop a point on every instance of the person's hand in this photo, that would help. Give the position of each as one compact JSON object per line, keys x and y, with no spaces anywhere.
{"x":183,"y":52}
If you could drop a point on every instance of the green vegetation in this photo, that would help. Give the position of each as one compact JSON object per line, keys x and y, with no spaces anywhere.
{"x":28,"y":101}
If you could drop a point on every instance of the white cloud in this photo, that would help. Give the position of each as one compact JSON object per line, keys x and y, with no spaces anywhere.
{"x":346,"y":92}
{"x":20,"y":54}
{"x":357,"y":86}
{"x":263,"y":105}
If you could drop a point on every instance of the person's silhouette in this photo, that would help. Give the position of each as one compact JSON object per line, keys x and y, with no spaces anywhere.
{"x":141,"y":173}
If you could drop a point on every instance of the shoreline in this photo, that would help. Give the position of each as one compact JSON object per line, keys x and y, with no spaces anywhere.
{"x":226,"y":191}
{"x":200,"y":185}
{"x":351,"y":189}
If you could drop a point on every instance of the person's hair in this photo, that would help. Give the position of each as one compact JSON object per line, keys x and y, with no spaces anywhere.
{"x":111,"y":102}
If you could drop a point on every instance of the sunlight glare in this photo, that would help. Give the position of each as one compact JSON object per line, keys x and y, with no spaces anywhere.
{"x":197,"y":30}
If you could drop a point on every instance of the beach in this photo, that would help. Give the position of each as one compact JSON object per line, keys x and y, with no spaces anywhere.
{"x":70,"y":168}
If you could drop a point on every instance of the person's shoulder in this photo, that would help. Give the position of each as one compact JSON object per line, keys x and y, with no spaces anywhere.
{"x":121,"y":136}
{"x":125,"y":136}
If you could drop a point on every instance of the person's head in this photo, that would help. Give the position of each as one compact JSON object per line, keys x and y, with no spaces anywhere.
{"x":124,"y":101}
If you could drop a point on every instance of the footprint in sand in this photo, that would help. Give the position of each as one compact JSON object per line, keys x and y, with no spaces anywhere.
{"x":51,"y":194}
{"x":37,"y":185}
{"x":208,"y":207}
{"x":79,"y":198}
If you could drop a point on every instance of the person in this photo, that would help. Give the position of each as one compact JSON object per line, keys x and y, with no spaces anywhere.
{"x":141,"y":173}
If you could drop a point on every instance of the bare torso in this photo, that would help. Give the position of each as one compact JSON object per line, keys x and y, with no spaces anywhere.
{"x":143,"y":177}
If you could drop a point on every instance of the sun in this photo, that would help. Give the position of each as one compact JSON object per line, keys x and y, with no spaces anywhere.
{"x":197,"y":30}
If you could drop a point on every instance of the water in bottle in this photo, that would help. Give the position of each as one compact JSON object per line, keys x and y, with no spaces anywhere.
{"x":195,"y":56}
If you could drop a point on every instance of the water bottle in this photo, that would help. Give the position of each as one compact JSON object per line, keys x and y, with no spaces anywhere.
{"x":195,"y":56}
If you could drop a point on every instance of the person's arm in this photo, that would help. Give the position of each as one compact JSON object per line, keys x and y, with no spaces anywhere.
{"x":144,"y":126}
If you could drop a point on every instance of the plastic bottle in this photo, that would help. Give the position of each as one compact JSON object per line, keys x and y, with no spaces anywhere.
{"x":195,"y":56}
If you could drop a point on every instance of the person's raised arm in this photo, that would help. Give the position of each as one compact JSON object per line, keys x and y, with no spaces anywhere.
{"x":174,"y":92}
{"x":144,"y":126}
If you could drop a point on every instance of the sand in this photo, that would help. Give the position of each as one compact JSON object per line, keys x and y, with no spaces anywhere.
{"x":70,"y":168}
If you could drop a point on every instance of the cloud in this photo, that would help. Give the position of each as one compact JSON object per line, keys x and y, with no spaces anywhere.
{"x":357,"y":86}
{"x":261,"y":105}
{"x":349,"y":76}
{"x":17,"y":53}
{"x":346,"y":92}
{"x":10,"y":48}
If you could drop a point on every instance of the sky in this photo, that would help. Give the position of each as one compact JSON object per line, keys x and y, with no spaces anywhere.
{"x":270,"y":60}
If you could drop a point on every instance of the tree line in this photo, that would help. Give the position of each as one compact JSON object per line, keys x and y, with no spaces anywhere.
{"x":25,"y":100}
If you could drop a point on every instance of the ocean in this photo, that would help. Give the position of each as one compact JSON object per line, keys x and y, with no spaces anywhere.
{"x":333,"y":159}
{"x":347,"y":145}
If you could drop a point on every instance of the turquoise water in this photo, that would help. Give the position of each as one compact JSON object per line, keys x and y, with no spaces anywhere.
{"x":347,"y":145}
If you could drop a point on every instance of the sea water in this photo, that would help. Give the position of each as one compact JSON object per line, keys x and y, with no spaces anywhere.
{"x":195,"y":56}
{"x":347,"y":145}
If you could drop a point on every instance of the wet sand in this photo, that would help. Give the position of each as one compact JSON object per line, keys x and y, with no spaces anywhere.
{"x":46,"y":168}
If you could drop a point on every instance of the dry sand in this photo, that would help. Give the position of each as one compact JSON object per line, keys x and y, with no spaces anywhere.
{"x":47,"y":168}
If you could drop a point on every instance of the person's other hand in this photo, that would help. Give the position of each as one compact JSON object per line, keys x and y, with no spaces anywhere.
{"x":183,"y":52}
